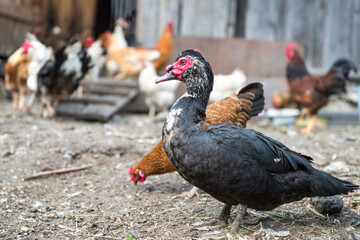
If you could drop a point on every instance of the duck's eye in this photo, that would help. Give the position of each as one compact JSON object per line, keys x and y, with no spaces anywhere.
{"x":183,"y":62}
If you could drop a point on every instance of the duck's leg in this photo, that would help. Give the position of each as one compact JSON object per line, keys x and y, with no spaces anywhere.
{"x":240,"y":213}
{"x":225,"y":213}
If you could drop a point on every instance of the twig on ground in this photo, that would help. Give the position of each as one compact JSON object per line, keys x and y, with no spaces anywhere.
{"x":59,"y":171}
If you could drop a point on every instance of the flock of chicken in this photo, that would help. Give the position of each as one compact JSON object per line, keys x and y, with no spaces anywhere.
{"x":36,"y":68}
{"x":54,"y":74}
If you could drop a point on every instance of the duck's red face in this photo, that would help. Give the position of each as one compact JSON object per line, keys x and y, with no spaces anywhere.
{"x":136,"y":175}
{"x":175,"y":70}
{"x":290,"y":50}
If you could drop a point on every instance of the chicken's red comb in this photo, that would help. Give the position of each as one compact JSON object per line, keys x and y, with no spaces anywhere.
{"x":88,"y":42}
{"x":196,"y":50}
{"x":27,"y":45}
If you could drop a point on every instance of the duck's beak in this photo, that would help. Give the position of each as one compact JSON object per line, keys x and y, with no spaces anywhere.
{"x":167,"y":77}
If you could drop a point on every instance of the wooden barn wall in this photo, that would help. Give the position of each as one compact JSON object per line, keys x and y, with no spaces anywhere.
{"x":190,"y":18}
{"x":15,"y":21}
{"x":329,"y":28}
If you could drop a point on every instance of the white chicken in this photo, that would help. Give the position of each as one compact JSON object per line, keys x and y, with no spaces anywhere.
{"x":117,"y":41}
{"x":39,"y":54}
{"x":226,"y":85}
{"x":156,"y":96}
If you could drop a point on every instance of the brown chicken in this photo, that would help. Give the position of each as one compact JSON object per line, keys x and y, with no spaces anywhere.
{"x":16,"y":75}
{"x":310,"y":93}
{"x":129,"y":58}
{"x":164,"y":46}
{"x":236,"y":109}
{"x":282,"y":100}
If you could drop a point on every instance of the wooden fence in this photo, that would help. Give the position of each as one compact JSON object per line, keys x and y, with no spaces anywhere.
{"x":328,"y":28}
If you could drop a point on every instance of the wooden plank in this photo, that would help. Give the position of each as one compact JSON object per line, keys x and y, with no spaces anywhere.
{"x":91,"y":99}
{"x":338,"y":32}
{"x":147,"y":22}
{"x":108,"y":90}
{"x":196,"y":22}
{"x":241,"y":6}
{"x":99,"y":112}
{"x":21,"y":14}
{"x":102,"y":102}
{"x":355,"y":37}
{"x":316,"y":48}
{"x":262,"y":20}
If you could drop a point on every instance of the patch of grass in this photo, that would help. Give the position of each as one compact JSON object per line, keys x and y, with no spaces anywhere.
{"x":128,"y":237}
{"x":203,"y":211}
{"x":278,"y":215}
{"x":68,"y":217}
{"x":323,"y":230}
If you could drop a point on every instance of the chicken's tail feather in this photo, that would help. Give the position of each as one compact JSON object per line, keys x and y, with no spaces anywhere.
{"x":255,"y":93}
{"x":345,"y":65}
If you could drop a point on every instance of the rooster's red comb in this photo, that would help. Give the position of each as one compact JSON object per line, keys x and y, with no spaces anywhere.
{"x":290,"y":46}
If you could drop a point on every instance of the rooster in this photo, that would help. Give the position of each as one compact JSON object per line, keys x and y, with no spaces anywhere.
{"x":97,"y":57}
{"x":236,"y":166}
{"x":39,"y":54}
{"x":16,"y":75}
{"x":59,"y":78}
{"x":236,"y":109}
{"x":156,"y":97}
{"x":309,"y":92}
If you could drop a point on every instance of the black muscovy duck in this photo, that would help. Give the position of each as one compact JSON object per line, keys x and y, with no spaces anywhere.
{"x":237,"y":166}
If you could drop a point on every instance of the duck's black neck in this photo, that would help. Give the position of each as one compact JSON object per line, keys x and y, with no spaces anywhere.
{"x":191,"y":107}
{"x":199,"y":87}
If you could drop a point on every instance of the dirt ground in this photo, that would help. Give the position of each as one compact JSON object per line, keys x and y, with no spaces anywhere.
{"x":102,"y":203}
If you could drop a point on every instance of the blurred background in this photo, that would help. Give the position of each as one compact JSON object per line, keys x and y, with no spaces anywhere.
{"x":328,"y":29}
{"x":243,"y":34}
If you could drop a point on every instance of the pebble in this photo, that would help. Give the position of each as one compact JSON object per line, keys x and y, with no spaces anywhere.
{"x":24,"y":229}
{"x":339,"y":166}
{"x":327,"y":205}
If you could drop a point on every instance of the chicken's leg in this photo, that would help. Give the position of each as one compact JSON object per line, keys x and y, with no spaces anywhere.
{"x":15,"y":99}
{"x":152,"y":110}
{"x":80,"y":91}
{"x":119,"y":76}
{"x":31,"y":100}
{"x":22,"y":98}
{"x":240,"y":213}
{"x":311,"y":125}
{"x":188,"y":195}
